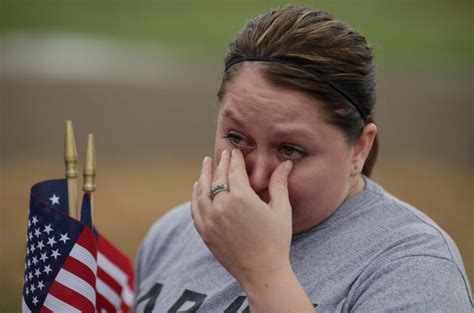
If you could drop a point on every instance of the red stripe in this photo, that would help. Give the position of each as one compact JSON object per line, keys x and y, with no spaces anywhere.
{"x":107,"y":279}
{"x":45,"y":310}
{"x":112,"y":253}
{"x":71,"y":297}
{"x":117,"y":257}
{"x":79,"y":269}
{"x":87,"y":241}
{"x":103,"y":304}
{"x":125,"y":308}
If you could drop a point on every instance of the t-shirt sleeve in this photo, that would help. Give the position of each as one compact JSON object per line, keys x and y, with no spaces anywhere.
{"x":413,"y":284}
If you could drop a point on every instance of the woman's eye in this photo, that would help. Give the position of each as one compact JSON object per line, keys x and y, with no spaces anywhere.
{"x":235,"y":139}
{"x":292,"y":152}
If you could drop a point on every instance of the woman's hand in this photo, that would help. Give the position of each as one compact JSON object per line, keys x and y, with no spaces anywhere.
{"x":249,"y":237}
{"x":246,"y":235}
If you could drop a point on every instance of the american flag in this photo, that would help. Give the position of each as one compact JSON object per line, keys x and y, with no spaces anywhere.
{"x":60,"y":264}
{"x":68,"y":267}
{"x":114,"y":271}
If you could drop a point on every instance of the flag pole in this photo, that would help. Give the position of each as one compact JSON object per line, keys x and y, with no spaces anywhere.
{"x":89,"y":170}
{"x":70,"y":160}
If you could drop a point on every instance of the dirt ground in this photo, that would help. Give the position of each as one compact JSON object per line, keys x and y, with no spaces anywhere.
{"x":151,"y":139}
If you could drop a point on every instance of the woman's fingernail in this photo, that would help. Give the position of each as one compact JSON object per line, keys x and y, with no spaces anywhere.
{"x":288,"y":165}
{"x":224,"y":152}
{"x":195,"y":185}
{"x":205,"y":160}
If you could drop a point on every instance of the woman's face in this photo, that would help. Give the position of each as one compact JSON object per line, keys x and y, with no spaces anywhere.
{"x":271,"y":124}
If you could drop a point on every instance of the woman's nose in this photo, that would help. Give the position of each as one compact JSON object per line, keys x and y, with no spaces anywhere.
{"x":260,"y":166}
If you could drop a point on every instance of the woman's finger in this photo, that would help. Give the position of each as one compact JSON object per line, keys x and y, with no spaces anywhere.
{"x":195,"y":212}
{"x":220,"y":176}
{"x":278,"y":187}
{"x":205,"y":179}
{"x":238,"y":177}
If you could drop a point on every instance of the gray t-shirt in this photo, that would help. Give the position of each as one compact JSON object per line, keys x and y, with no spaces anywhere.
{"x":375,"y":253}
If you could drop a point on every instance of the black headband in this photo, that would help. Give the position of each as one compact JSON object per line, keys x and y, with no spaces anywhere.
{"x":314,"y":72}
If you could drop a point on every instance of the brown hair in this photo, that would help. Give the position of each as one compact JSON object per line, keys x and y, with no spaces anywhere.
{"x":323,"y":44}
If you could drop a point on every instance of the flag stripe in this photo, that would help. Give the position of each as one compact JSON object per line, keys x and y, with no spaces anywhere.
{"x":71,"y":297}
{"x":108,"y":293}
{"x":56,"y":305}
{"x":103,"y":305}
{"x":80,"y":269}
{"x":83,"y":255}
{"x":86,"y":240}
{"x":127,"y":295}
{"x":45,"y":310}
{"x":106,"y":279}
{"x":76,"y":283}
{"x":113,"y":270}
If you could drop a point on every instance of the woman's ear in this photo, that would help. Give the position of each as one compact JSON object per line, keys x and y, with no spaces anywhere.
{"x":362,"y":148}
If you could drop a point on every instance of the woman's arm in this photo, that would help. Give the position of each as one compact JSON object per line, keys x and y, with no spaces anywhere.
{"x":249,"y":237}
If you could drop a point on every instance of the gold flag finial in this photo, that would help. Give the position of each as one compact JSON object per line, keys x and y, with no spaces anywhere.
{"x":70,"y":151}
{"x":70,"y":160}
{"x":89,"y":165}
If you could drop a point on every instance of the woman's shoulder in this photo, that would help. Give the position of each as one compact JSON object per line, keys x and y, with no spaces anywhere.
{"x":406,"y":232}
{"x":392,"y":227}
{"x":165,"y":231}
{"x":177,"y":217}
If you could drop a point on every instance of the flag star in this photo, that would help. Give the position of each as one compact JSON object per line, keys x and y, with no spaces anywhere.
{"x":51,"y":241}
{"x":30,"y":235}
{"x":28,"y":262}
{"x":26,"y":278}
{"x":27,"y":291}
{"x":37,"y":273}
{"x":43,"y":257}
{"x":35,"y":220}
{"x":29,"y":223}
{"x":35,"y":300}
{"x":37,"y":232}
{"x":32,"y":248}
{"x":27,"y":250}
{"x":32,"y":288}
{"x":55,"y":254}
{"x":40,"y":285}
{"x":47,"y":269}
{"x":40,"y":245}
{"x":30,"y":276}
{"x":35,"y":260}
{"x":64,"y":238}
{"x":54,"y":199}
{"x":48,"y":229}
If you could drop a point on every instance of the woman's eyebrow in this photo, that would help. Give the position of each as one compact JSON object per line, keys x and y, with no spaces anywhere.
{"x":227,"y":114}
{"x":284,"y":133}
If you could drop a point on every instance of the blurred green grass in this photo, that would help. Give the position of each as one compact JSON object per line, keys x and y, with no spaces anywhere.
{"x":424,"y":32}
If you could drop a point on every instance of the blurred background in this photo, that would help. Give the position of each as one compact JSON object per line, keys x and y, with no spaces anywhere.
{"x":142,"y":76}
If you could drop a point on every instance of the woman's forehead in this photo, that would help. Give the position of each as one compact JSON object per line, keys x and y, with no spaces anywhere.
{"x":250,"y":94}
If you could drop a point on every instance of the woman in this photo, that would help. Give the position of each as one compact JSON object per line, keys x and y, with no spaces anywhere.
{"x":289,"y":220}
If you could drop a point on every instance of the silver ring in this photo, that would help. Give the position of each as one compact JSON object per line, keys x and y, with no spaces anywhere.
{"x":216,"y":189}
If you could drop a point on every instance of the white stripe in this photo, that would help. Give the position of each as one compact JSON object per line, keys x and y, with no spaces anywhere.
{"x":77,"y":284}
{"x":128,"y":296}
{"x":56,"y":305}
{"x":24,"y":307}
{"x":111,"y":269}
{"x":84,"y":256}
{"x":108,"y":293}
